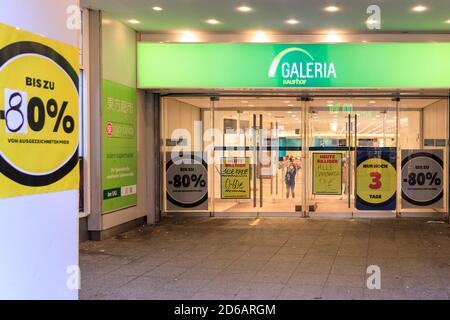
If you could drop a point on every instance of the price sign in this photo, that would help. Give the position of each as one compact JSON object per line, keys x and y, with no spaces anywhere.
{"x":422,"y":179}
{"x":327,"y":173}
{"x":186,"y":182}
{"x":376,"y":179}
{"x":38,"y":114}
{"x":235,"y":178}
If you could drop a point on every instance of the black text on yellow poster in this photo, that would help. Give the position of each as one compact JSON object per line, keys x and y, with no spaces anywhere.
{"x":327,"y":173}
{"x":376,"y":178}
{"x":235,"y":178}
{"x":38,"y":114}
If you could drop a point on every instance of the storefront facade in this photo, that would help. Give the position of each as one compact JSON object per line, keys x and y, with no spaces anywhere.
{"x":301,"y":129}
{"x":356,"y":119}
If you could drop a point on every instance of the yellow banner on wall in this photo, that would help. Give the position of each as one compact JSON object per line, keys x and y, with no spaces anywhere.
{"x":235,"y":178}
{"x":327,"y":177}
{"x":38,"y":114}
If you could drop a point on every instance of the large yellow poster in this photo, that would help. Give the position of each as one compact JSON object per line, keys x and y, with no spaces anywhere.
{"x":38,"y":114}
{"x":327,"y":173}
{"x":235,"y":178}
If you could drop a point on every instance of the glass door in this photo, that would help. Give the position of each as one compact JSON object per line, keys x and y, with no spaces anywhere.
{"x":258,"y":151}
{"x":330,"y":156}
{"x":234,"y":156}
{"x":375,"y":160}
{"x":343,"y":134}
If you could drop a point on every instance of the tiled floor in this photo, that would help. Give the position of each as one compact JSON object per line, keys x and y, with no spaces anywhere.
{"x":270,"y":258}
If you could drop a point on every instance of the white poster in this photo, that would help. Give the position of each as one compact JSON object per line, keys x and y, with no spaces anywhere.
{"x":422,"y":179}
{"x":186,"y":182}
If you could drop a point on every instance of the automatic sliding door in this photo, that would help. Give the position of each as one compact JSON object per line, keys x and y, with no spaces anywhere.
{"x":282,"y":164}
{"x":350,"y":140}
{"x":375,"y":159}
{"x":234,"y":154}
{"x":260,"y":137}
{"x":329,"y":156}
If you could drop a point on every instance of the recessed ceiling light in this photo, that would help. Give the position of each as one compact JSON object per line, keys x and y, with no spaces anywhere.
{"x":212,"y":21}
{"x":251,"y":105}
{"x":244,"y":101}
{"x":156,"y":8}
{"x":289,"y":111}
{"x":372,"y":102}
{"x":332,"y":9}
{"x":292,"y":21}
{"x":188,"y":36}
{"x":244,"y":8}
{"x":419,"y":8}
{"x":134,"y":21}
{"x":333,"y":37}
{"x":286,"y":101}
{"x":290,"y":105}
{"x":260,"y":36}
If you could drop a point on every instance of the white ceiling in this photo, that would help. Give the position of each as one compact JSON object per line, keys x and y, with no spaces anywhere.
{"x":373,"y":114}
{"x":323,"y":122}
{"x":246,"y":103}
{"x":270,"y":15}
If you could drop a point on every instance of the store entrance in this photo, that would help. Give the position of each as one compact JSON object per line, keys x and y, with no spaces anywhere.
{"x":290,"y":156}
{"x":267,"y":134}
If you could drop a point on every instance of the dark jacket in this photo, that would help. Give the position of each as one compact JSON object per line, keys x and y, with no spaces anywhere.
{"x":289,"y":178}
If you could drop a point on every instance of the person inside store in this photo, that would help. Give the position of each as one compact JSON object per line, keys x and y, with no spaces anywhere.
{"x":289,"y":178}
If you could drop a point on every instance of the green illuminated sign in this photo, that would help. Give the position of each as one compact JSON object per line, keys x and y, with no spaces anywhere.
{"x":392,"y":65}
{"x":119,"y":154}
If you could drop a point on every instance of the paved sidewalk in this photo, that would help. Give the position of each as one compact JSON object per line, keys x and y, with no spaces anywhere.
{"x":269,"y":258}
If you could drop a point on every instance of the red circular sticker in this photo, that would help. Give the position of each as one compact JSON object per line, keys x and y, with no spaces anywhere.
{"x":109,"y":129}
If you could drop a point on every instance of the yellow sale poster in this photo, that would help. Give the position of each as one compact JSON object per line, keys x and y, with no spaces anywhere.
{"x":235,"y":178}
{"x":38,"y":114}
{"x":327,"y":173}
